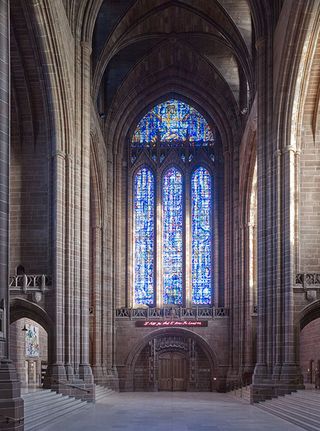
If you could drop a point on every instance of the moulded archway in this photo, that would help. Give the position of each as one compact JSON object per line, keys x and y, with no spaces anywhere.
{"x":29,"y":351}
{"x":142,"y":366}
{"x":21,"y":308}
{"x":309,"y":342}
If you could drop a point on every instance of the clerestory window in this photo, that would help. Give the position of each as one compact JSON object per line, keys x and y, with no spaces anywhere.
{"x":172,"y":207}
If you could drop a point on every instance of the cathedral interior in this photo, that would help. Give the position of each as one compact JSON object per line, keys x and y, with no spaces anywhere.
{"x":159,"y":199}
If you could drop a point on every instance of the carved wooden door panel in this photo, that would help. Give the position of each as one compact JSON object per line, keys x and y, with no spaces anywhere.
{"x":172,"y":372}
{"x":165,"y":372}
{"x":179,"y":372}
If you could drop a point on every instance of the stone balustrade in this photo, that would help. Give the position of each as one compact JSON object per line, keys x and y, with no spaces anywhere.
{"x":308,"y":280}
{"x":29,"y":283}
{"x":172,"y":313}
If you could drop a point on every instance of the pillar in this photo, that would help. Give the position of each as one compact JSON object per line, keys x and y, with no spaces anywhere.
{"x":11,"y":404}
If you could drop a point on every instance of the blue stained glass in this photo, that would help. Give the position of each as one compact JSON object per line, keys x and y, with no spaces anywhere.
{"x":32,"y":341}
{"x":173,"y":121}
{"x":144,"y":237}
{"x":201,"y":237}
{"x":172,"y":212}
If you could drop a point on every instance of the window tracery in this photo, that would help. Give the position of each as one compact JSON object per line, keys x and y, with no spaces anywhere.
{"x":171,"y":160}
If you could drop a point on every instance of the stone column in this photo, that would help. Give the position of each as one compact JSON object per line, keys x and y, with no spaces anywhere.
{"x":11,"y":404}
{"x":85,"y":372}
{"x":265,"y":226}
{"x":56,"y":375}
{"x":290,"y":373}
{"x":69,"y":270}
{"x":97,"y":303}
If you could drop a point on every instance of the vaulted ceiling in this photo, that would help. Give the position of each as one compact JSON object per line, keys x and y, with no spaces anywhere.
{"x":132,"y":33}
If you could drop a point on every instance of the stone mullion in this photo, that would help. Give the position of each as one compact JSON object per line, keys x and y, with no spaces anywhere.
{"x":159,"y":231}
{"x":84,"y":367}
{"x":11,"y":405}
{"x":188,"y":241}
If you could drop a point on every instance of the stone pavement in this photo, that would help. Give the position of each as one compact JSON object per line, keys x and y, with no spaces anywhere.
{"x":172,"y":411}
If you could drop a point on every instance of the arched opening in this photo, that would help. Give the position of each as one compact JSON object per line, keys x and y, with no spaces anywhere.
{"x":173,"y":360}
{"x":29,"y":352}
{"x":310,"y":346}
{"x":172,"y":203}
{"x":31,"y":342}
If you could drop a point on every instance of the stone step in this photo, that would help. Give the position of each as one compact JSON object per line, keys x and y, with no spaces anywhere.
{"x":300,"y":408}
{"x":44,"y":407}
{"x":302,"y":402}
{"x":295,"y":408}
{"x":41,"y":400}
{"x":41,"y":394}
{"x":310,"y":395}
{"x":53,"y":406}
{"x":59,"y":415}
{"x":102,"y":392}
{"x":301,"y":422}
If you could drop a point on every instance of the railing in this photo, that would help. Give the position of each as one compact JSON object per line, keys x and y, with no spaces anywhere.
{"x":33,"y":282}
{"x":9,"y":419}
{"x":70,"y":385}
{"x":172,"y":313}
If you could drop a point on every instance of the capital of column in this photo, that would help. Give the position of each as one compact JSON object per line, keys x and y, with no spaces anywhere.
{"x":58,"y":154}
{"x":290,"y":148}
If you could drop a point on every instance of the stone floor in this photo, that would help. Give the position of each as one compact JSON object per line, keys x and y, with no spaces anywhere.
{"x":167,"y":411}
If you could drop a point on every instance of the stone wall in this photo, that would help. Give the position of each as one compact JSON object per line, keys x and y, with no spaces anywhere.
{"x":130,"y":340}
{"x":310,"y":350}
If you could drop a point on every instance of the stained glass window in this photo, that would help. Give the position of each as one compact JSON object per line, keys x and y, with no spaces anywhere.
{"x":32,"y":341}
{"x":144,"y":237}
{"x":173,"y":132}
{"x":172,"y":246}
{"x":173,"y":121}
{"x":201,"y":236}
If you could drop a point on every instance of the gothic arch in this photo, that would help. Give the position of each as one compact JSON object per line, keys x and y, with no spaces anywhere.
{"x":137,"y":349}
{"x":216,"y":16}
{"x":164,"y":78}
{"x":309,"y":313}
{"x":20,"y":308}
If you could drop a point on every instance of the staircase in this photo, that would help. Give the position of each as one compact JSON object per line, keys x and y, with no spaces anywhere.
{"x":44,"y":406}
{"x":301,"y":408}
{"x":102,"y":392}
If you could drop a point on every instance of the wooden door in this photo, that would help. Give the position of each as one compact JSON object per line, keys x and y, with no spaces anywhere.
{"x":172,"y":372}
